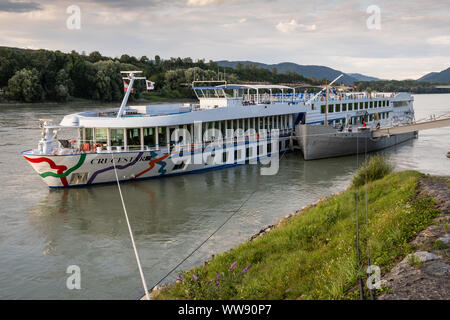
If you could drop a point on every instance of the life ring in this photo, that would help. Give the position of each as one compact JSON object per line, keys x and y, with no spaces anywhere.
{"x":73,"y":141}
{"x":192,"y":147}
{"x":94,"y":147}
{"x":257,"y":136}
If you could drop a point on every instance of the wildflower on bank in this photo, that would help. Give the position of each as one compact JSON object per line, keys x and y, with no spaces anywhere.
{"x":246,"y":268}
{"x":233,"y":265}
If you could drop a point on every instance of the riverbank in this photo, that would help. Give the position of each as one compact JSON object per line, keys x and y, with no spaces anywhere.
{"x":312,"y":254}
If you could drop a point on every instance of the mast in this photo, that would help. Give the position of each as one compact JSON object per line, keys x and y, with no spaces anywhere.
{"x":130,"y":77}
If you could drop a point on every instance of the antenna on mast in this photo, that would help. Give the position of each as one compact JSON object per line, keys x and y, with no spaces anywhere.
{"x":129,"y":76}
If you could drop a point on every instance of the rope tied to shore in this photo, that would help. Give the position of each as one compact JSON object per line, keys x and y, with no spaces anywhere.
{"x":130,"y":231}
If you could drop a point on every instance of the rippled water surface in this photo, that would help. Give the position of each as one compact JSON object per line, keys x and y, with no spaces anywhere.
{"x":44,"y":231}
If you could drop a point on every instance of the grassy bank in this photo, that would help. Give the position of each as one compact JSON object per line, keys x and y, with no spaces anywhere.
{"x":312,"y":255}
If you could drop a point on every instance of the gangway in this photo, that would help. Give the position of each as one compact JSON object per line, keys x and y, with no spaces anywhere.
{"x":425,"y":125}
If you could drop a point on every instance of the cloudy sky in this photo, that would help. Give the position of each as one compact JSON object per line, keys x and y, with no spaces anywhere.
{"x":411,"y":39}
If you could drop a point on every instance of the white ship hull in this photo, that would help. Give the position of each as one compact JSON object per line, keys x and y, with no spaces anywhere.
{"x":85,"y":169}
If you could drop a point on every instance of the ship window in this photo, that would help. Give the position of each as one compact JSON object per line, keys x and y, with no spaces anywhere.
{"x":149,"y":137}
{"x":134,"y":138}
{"x":344,"y":107}
{"x":322,"y":108}
{"x":204,"y":128}
{"x":400,"y":104}
{"x":88,"y":135}
{"x":116,"y":136}
{"x":350,"y":106}
{"x":330,"y":108}
{"x":171,"y":136}
{"x":162,"y":136}
{"x":361,"y":105}
{"x":338,"y":108}
{"x":229,"y":124}
{"x":367,"y":105}
{"x":236,"y":124}
{"x":222,"y":128}
{"x":101,"y":136}
{"x":371,"y":104}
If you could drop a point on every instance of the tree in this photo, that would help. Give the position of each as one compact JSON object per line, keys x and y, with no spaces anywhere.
{"x":174,"y":78}
{"x":157,"y":60}
{"x":63,"y":86}
{"x":95,"y":56}
{"x":25,"y":86}
{"x":144,"y":60}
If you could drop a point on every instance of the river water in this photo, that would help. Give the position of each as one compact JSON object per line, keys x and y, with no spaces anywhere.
{"x":43,"y":232}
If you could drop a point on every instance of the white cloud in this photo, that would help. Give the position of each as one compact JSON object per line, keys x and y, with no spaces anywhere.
{"x":289,"y":27}
{"x":234,"y":24}
{"x":439,"y":40}
{"x":201,"y":3}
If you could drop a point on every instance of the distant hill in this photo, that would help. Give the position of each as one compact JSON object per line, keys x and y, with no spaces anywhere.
{"x":361,"y":77}
{"x":443,"y":76}
{"x":308,"y":71}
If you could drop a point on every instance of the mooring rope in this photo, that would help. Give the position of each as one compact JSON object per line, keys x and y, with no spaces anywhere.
{"x":367,"y":216}
{"x":361,"y":291}
{"x":131,"y":232}
{"x":204,"y":241}
{"x":210,"y":236}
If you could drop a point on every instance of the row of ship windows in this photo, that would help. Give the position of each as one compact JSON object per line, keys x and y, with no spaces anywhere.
{"x":359,"y":119}
{"x":354,"y":106}
{"x":162,"y":136}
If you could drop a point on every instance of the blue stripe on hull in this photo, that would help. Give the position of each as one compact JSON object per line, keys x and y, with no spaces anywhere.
{"x":161,"y":176}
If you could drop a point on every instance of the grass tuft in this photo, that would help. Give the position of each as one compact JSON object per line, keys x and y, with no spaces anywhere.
{"x":376,"y":168}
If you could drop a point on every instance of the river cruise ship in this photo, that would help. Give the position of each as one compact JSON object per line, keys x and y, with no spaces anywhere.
{"x":231,"y":124}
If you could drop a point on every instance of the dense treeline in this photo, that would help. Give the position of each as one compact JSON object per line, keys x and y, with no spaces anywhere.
{"x":43,"y":75}
{"x":401,"y":86}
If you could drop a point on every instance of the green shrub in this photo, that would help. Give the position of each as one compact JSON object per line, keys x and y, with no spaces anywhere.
{"x":376,"y":168}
